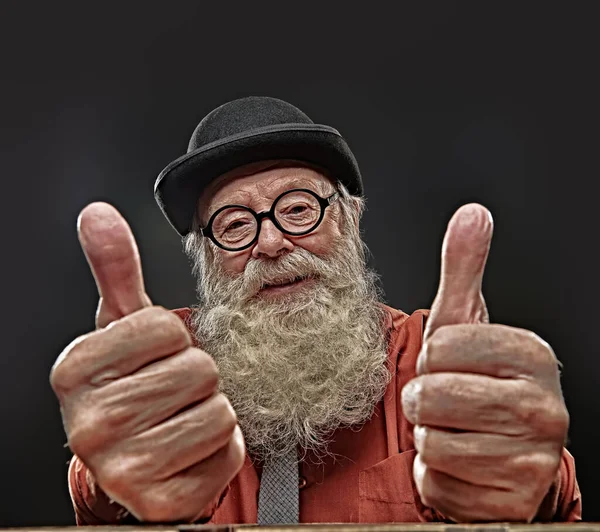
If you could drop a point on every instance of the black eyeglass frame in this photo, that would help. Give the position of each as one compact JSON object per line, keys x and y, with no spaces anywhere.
{"x":270,"y":214}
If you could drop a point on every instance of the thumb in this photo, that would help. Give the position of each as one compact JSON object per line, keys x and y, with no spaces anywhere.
{"x":464,"y":254}
{"x":114,"y":259}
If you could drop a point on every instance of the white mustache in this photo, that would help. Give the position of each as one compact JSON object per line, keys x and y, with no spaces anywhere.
{"x":298,"y":264}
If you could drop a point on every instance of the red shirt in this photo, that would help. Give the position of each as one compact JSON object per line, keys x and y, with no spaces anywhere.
{"x":370,"y":480}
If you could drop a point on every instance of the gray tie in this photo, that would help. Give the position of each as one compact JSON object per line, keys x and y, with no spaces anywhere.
{"x":278,"y":496}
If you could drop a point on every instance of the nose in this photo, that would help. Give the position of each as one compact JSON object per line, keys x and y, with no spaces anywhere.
{"x":271,"y":241}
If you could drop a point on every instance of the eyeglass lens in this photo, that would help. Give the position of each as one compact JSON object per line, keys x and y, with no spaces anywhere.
{"x":296,"y":212}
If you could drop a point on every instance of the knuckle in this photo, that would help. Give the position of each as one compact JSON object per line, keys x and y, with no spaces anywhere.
{"x":198,"y":372}
{"x":428,"y":500}
{"x":203,"y":365}
{"x":546,"y":464}
{"x":148,"y":313}
{"x":194,"y":371}
{"x":424,"y":482}
{"x":166,"y":502}
{"x":523,"y":401}
{"x":528,"y":505}
{"x":168,"y":320}
{"x":427,"y":390}
{"x":156,"y":507}
{"x":64,"y":376}
{"x":542,"y":351}
{"x":126,"y":326}
{"x":542,"y":413}
{"x":412,"y":399}
{"x":527,"y":410}
{"x":238,"y":453}
{"x":427,"y":492}
{"x":62,"y":379}
{"x":160,"y":323}
{"x":556,"y":420}
{"x":422,"y":443}
{"x":444,"y":344}
{"x":439,"y":340}
{"x":429,"y":456}
{"x":539,"y":352}
{"x":209,"y":365}
{"x":119,"y":475}
{"x":225,"y":412}
{"x":87,"y":433}
{"x":532,"y":468}
{"x":79,"y":443}
{"x":535,"y":339}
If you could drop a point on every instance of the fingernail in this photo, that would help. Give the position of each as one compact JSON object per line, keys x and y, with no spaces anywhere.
{"x":475,"y":217}
{"x":410,"y":400}
{"x":422,"y":360}
{"x":419,"y":433}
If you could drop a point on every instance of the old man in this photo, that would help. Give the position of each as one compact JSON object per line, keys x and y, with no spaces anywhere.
{"x":290,"y":393}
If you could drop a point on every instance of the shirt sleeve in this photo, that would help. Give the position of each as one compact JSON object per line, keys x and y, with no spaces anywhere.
{"x":563,"y":501}
{"x":93,"y":507}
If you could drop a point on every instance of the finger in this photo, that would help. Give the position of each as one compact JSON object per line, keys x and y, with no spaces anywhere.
{"x":478,"y":403}
{"x":464,"y":253}
{"x":190,"y":495}
{"x":209,"y":477}
{"x":134,"y":404}
{"x":489,"y":349}
{"x":114,"y":259}
{"x":465,"y":502}
{"x":127,"y":345}
{"x":186,"y":439}
{"x":489,"y":460}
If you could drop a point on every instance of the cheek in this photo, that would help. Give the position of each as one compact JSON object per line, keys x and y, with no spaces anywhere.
{"x":235,"y":262}
{"x":321,"y":241}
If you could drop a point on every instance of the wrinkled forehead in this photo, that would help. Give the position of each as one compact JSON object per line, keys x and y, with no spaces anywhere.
{"x":263,"y":180}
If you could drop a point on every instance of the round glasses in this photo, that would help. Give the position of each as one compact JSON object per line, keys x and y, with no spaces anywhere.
{"x":295,"y":212}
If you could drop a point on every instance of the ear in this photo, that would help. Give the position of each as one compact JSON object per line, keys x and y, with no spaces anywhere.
{"x":200,"y":206}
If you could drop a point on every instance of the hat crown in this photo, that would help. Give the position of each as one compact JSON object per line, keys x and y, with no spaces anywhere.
{"x":247,"y":130}
{"x":242,"y":115}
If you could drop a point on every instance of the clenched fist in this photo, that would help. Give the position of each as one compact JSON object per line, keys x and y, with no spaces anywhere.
{"x":490,"y":420}
{"x":140,"y":405}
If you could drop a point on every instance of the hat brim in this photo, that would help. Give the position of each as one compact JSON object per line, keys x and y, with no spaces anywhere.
{"x":181,"y":183}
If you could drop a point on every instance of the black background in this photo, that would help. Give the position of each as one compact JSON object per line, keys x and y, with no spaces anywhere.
{"x":442,"y":102}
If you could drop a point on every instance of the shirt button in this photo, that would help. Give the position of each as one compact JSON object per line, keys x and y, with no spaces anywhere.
{"x":301,"y":482}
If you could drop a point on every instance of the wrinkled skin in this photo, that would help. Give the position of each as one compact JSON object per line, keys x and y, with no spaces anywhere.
{"x":140,"y":405}
{"x":141,"y":408}
{"x":490,"y":420}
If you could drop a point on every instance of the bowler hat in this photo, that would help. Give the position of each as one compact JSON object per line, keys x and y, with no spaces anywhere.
{"x":244,"y":131}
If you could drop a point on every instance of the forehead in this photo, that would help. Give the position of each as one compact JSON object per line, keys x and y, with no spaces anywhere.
{"x":254,"y":187}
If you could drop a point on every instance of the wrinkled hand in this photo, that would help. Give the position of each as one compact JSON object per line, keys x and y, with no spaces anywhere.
{"x":490,"y":420}
{"x":140,"y":405}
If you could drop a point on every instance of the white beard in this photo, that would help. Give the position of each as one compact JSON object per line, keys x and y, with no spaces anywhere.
{"x":294,"y":368}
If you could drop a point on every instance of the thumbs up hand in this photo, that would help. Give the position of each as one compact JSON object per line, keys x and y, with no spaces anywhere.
{"x":490,"y":420}
{"x":139,"y":404}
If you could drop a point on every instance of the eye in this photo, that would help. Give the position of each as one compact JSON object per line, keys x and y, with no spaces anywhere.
{"x":296,"y":209}
{"x":236,"y":225}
